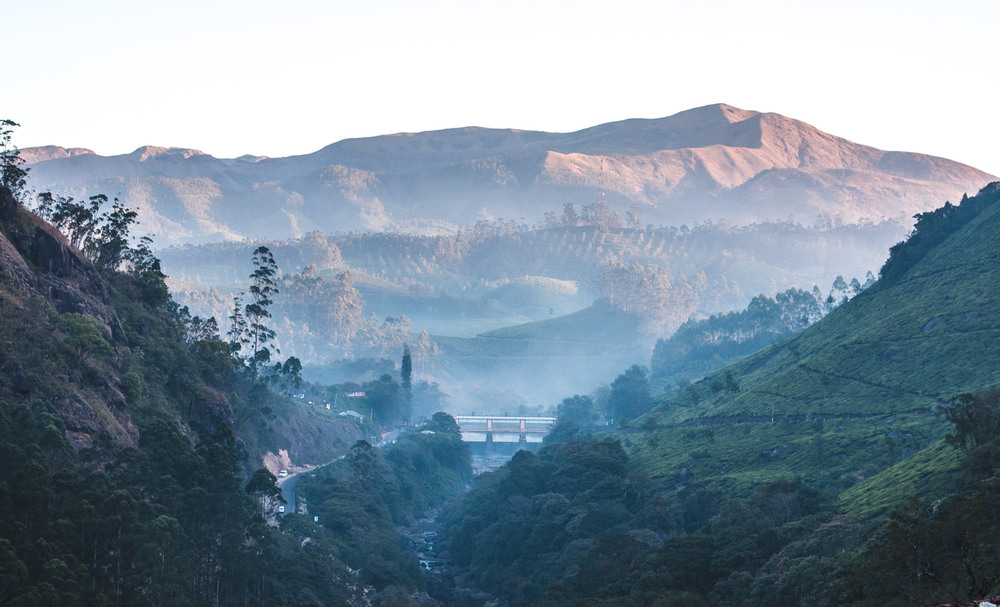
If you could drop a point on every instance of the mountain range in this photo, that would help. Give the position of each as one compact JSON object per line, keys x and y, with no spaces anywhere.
{"x":708,"y":163}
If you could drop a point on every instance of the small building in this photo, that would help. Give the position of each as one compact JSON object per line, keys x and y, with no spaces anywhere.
{"x":353,"y":414}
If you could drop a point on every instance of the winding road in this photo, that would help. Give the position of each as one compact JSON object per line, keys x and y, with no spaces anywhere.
{"x":287,"y":484}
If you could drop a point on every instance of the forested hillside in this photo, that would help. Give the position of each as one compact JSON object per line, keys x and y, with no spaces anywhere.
{"x":853,"y":463}
{"x":134,"y":437}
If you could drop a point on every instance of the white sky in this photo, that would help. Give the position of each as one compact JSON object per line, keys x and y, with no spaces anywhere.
{"x":288,"y":77}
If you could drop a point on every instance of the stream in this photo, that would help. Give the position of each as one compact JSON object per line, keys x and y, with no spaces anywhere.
{"x":447,"y":585}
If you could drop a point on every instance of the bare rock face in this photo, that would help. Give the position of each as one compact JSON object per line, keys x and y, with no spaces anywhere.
{"x":8,"y":206}
{"x":51,"y":255}
{"x":12,"y":266}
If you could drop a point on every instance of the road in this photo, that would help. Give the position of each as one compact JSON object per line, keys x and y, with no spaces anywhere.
{"x":287,"y":484}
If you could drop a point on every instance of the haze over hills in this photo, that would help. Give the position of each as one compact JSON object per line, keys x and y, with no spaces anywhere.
{"x":711,"y":162}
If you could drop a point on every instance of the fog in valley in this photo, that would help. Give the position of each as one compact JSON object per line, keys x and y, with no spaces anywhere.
{"x":506,"y":317}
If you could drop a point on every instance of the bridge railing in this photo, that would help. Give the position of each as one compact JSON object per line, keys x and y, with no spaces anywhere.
{"x":503,"y":429}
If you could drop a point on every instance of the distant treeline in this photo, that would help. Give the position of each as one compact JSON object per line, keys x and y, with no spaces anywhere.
{"x":701,"y":346}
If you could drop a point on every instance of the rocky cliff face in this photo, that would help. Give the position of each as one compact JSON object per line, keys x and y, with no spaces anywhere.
{"x":40,"y":271}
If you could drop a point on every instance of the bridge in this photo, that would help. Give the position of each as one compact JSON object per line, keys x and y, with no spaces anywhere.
{"x":493,"y":431}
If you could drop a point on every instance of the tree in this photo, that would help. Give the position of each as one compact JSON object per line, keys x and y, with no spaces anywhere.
{"x":199,"y":329}
{"x":237,"y":334}
{"x":634,"y":217}
{"x":600,"y":215}
{"x":362,"y":459}
{"x":406,"y":371}
{"x":976,"y":419}
{"x":289,"y":374}
{"x":146,"y":268}
{"x":577,"y":409}
{"x":110,"y":246}
{"x":83,"y":335}
{"x":629,"y":396}
{"x":263,"y":287}
{"x":12,"y":174}
{"x":386,"y":399}
{"x":265,"y":492}
{"x":102,"y":236}
{"x":569,"y":216}
{"x":77,"y":220}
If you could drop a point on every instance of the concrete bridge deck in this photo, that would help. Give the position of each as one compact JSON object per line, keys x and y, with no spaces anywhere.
{"x":504,"y":429}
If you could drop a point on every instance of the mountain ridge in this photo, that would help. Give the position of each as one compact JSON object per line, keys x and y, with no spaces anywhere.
{"x":709,"y":163}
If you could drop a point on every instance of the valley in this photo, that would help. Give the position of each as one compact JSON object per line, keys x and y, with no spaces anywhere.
{"x":740,"y":407}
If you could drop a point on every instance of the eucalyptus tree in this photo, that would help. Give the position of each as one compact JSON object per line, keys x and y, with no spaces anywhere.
{"x":103,"y":236}
{"x":406,"y":371}
{"x":12,"y":172}
{"x":263,"y":287}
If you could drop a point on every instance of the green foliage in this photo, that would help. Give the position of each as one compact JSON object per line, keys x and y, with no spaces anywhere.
{"x":263,"y":287}
{"x":877,"y":370}
{"x":386,"y":400}
{"x":12,"y":172}
{"x":936,"y":554}
{"x":941,"y":551}
{"x":361,"y":499}
{"x":561,"y":516}
{"x":84,"y":336}
{"x":149,"y":276}
{"x":702,"y":346}
{"x":932,"y":229}
{"x":629,"y":396}
{"x":103,"y":236}
{"x":577,"y":409}
{"x":577,"y":525}
{"x":976,"y":419}
{"x":124,"y":481}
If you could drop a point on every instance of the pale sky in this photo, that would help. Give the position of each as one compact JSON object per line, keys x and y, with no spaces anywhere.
{"x":288,"y":77}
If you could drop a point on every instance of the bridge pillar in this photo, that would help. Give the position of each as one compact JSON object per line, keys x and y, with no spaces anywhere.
{"x":489,"y":444}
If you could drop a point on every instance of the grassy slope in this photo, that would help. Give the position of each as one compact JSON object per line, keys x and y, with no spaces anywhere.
{"x":873,"y":371}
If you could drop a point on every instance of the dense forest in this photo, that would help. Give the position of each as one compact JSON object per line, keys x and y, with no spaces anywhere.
{"x":581,"y":523}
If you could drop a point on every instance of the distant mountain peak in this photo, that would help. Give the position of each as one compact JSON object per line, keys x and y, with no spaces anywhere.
{"x":147,"y":152}
{"x":724,"y":111}
{"x":51,"y":152}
